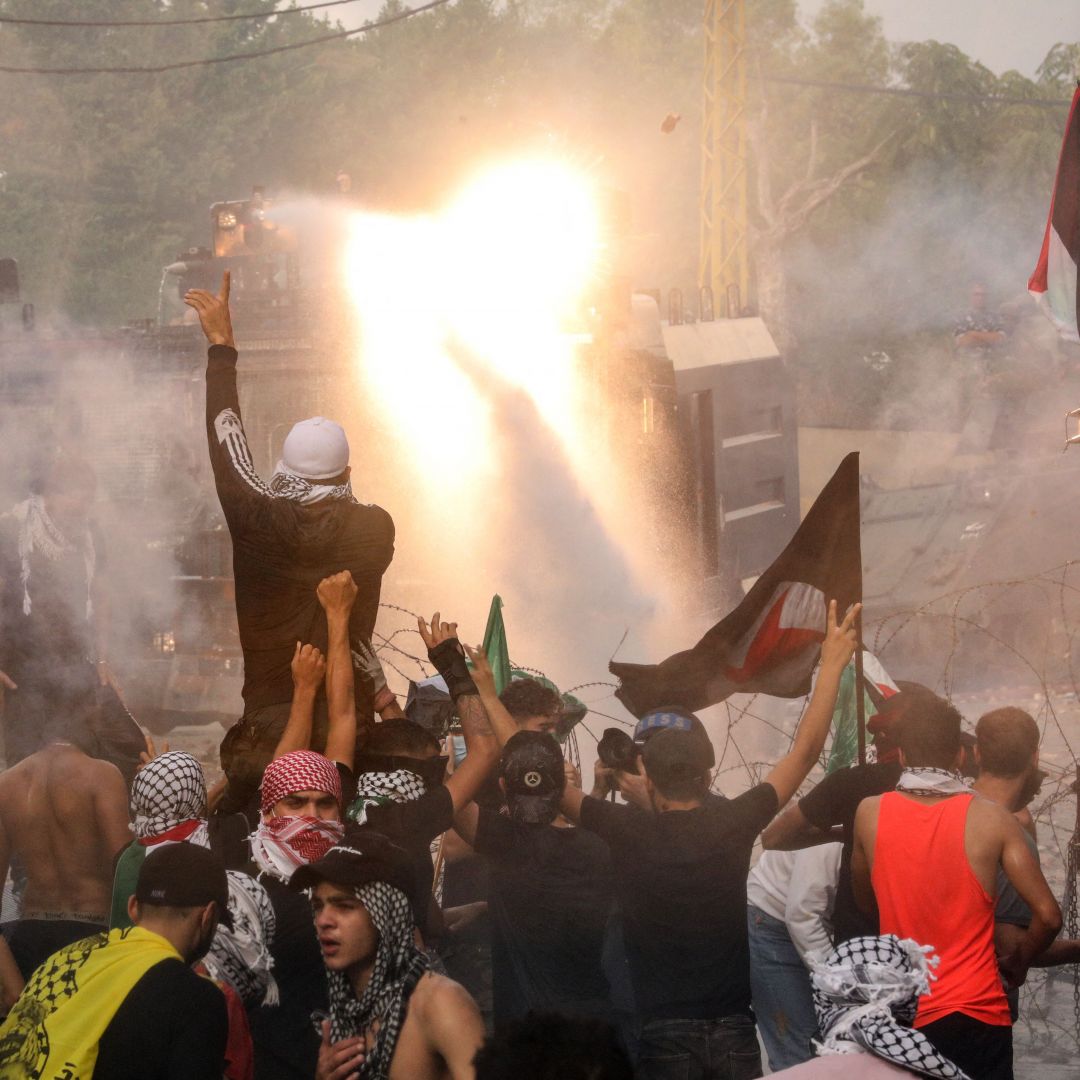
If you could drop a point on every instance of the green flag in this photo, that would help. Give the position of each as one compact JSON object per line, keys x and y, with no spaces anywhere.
{"x":845,"y":723}
{"x":495,"y":647}
{"x":498,"y":654}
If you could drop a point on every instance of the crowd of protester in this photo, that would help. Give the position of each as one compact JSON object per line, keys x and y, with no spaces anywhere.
{"x":357,"y":899}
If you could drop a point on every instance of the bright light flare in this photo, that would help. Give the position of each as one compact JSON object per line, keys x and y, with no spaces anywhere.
{"x":501,"y":271}
{"x":523,"y":241}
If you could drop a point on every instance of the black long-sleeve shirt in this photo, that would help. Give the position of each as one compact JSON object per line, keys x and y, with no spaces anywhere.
{"x":282,"y":549}
{"x":173,"y":1025}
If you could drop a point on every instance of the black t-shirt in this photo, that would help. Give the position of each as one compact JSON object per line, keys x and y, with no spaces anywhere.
{"x":834,"y":802}
{"x":412,"y":826}
{"x":286,"y":1044}
{"x":173,"y":1025}
{"x":282,"y":549}
{"x":550,"y":893}
{"x":680,"y":879}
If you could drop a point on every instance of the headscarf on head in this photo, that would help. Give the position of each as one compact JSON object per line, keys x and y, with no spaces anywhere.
{"x":399,"y":966}
{"x":298,"y":770}
{"x":866,"y":993}
{"x":167,"y":796}
{"x":281,"y":845}
{"x":380,"y":788}
{"x":241,"y":956}
{"x":288,"y":485}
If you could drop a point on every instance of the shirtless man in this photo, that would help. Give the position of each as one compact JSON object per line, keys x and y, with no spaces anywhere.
{"x":386,"y":1006}
{"x":63,"y":817}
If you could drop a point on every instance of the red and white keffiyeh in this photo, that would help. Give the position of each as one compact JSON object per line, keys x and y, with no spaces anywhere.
{"x":299,"y":770}
{"x":281,"y":845}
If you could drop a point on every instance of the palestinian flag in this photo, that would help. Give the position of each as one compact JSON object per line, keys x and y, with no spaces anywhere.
{"x":771,"y":642}
{"x":1054,"y":282}
{"x":877,"y":687}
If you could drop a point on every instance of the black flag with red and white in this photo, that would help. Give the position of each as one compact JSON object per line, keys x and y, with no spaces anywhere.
{"x":1054,"y":282}
{"x":771,"y":642}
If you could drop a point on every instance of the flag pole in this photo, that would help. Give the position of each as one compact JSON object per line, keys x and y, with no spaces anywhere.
{"x":860,"y":693}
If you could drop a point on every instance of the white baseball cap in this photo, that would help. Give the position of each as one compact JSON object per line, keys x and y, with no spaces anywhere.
{"x":316,"y":449}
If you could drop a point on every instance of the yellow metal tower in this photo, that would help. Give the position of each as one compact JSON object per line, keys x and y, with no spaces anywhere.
{"x":724,"y":260}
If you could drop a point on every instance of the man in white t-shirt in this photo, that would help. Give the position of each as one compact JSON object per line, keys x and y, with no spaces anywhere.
{"x":790,"y":896}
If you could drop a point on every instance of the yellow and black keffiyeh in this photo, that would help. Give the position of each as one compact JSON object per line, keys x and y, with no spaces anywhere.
{"x":56,"y":1025}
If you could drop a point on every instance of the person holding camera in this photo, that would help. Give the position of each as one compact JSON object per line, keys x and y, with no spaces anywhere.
{"x":550,"y":888}
{"x":681,"y":856}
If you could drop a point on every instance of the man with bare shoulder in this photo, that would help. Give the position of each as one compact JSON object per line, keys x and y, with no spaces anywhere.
{"x":928,"y":854}
{"x":389,"y":1012}
{"x":63,"y":817}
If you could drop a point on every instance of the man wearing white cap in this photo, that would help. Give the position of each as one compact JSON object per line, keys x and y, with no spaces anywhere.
{"x":287,"y":535}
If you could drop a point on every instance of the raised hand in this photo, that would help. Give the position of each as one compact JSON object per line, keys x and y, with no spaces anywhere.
{"x":337,"y":593}
{"x":213,"y":312}
{"x":482,"y":674}
{"x":437,"y":632}
{"x":840,"y":640}
{"x":308,"y":668}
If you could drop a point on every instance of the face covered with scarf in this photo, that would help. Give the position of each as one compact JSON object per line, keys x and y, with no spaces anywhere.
{"x":286,"y":840}
{"x":866,"y":992}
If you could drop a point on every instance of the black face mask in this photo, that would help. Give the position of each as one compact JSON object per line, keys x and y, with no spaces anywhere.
{"x":431,"y":770}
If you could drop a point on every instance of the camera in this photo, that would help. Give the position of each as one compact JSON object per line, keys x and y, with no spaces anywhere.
{"x":618,"y":751}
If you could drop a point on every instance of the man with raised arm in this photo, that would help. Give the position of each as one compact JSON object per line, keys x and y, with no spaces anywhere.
{"x":680,"y":863}
{"x":287,"y":535}
{"x":63,"y":817}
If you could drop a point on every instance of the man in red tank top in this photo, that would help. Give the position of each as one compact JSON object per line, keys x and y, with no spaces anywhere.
{"x":927,"y":856}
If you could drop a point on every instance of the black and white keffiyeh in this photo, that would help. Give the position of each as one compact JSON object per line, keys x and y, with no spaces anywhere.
{"x":168,"y":791}
{"x":39,"y":535}
{"x":380,"y":788}
{"x":926,"y":780}
{"x":866,"y":993}
{"x":241,"y":956}
{"x":399,"y":966}
{"x":285,"y":484}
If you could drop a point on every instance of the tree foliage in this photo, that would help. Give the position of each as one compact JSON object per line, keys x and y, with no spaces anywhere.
{"x":108,"y":176}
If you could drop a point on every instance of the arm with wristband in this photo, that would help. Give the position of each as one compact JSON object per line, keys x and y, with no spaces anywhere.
{"x":481,"y":745}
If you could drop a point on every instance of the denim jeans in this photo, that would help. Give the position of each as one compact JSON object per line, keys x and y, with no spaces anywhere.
{"x":722,"y":1049}
{"x":780,"y":985}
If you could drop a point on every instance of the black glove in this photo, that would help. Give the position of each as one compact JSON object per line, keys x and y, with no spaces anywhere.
{"x":449,"y":660}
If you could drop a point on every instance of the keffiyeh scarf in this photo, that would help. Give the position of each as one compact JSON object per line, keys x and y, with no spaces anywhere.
{"x":380,"y":788}
{"x":287,"y":485}
{"x":399,"y":966}
{"x":56,"y":1025}
{"x":299,"y":770}
{"x":866,"y":993}
{"x":241,"y":956}
{"x":168,"y":792}
{"x":926,"y":780}
{"x":281,"y":845}
{"x":38,"y":535}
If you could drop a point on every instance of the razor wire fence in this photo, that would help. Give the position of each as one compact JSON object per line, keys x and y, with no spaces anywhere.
{"x":1010,"y":642}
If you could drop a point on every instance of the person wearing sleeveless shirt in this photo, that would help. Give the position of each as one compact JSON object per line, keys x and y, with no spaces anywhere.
{"x":927,"y":855}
